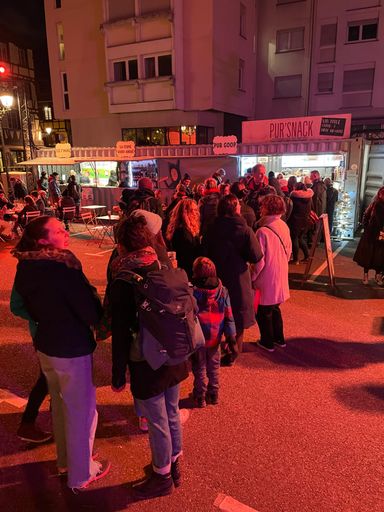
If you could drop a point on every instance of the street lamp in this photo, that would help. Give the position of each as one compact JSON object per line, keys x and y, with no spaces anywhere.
{"x":6,"y":103}
{"x":48,"y":130}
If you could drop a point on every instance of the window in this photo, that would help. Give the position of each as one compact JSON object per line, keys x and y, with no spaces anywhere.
{"x":281,"y":2}
{"x":290,"y":40}
{"x":64,"y":82}
{"x":133,"y":72}
{"x":241,"y":84}
{"x":48,"y":113}
{"x":150,"y":67}
{"x":23,"y":58}
{"x":3,"y":51}
{"x":243,"y":20}
{"x":358,"y":87}
{"x":325,"y":82}
{"x":118,"y":10}
{"x":288,"y":86}
{"x":148,"y":6}
{"x":58,"y":4}
{"x":60,"y":40}
{"x":362,"y":31}
{"x":328,"y":35}
{"x":165,"y":65}
{"x":119,"y":71}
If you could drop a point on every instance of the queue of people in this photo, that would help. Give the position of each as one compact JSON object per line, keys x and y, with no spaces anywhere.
{"x":233,"y":247}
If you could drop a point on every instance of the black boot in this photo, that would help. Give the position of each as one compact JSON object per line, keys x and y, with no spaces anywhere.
{"x":154,"y":486}
{"x":176,"y":473}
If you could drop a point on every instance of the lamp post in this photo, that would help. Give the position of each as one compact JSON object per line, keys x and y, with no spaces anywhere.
{"x":6,"y":103}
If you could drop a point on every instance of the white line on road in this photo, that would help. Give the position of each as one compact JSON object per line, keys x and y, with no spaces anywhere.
{"x":12,"y":399}
{"x":320,"y":269}
{"x":228,"y":504}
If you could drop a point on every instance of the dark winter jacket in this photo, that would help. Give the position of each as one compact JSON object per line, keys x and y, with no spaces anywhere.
{"x":208,"y":211}
{"x":319,"y":199}
{"x":248,"y":214}
{"x":301,"y":200}
{"x":274,"y":182}
{"x":215,"y":312}
{"x":187,"y":249}
{"x":332,"y":198}
{"x":231,"y":244}
{"x":145,"y":382}
{"x":370,"y":250}
{"x":59,"y":298}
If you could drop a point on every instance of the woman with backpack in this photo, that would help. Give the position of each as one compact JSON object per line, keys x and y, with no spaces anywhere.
{"x":156,"y":391}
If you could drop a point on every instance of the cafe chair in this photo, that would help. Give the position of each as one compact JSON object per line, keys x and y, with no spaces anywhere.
{"x":31,"y":215}
{"x":94,"y":230}
{"x":69,"y":214}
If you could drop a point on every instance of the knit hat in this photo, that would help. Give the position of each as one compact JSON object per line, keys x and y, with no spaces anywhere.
{"x":154,"y":221}
{"x":186,"y":177}
{"x":145,"y":183}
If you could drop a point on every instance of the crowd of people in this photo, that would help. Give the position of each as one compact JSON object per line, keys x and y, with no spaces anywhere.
{"x":233,"y":244}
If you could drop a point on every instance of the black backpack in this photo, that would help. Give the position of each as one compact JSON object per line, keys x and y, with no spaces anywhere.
{"x":167,"y":310}
{"x":142,"y":203}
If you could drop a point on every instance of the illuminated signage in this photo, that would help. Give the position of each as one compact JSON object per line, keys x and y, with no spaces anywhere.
{"x":225,"y":145}
{"x":125,"y":149}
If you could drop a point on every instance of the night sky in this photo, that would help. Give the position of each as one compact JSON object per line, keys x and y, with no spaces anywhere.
{"x":22,"y":22}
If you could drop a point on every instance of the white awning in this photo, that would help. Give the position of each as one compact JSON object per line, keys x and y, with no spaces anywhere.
{"x":48,"y":161}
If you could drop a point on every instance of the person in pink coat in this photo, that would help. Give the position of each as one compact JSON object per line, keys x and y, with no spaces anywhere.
{"x":270,"y":274}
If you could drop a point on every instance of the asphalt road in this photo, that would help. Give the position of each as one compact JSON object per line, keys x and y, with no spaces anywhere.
{"x":299,"y":430}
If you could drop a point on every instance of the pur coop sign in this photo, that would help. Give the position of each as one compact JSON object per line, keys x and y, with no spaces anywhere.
{"x":63,"y":150}
{"x":328,"y":127}
{"x":125,"y":149}
{"x":225,"y":145}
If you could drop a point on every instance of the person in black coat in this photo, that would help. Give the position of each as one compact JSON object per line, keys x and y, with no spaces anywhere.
{"x":301,"y":199}
{"x":144,"y":198}
{"x":63,"y":304}
{"x":239,"y":190}
{"x":319,"y":199}
{"x":332,"y":198}
{"x":231,"y":245}
{"x":183,"y":234}
{"x":156,"y":392}
{"x":370,"y":250}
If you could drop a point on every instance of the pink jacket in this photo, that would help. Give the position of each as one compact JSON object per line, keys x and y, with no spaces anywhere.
{"x":270,"y":274}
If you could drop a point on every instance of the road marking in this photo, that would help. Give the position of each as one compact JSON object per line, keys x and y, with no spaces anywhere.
{"x":228,"y":504}
{"x":323,"y":266}
{"x":12,"y":399}
{"x":98,"y":253}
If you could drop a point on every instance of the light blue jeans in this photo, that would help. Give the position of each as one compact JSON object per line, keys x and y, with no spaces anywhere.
{"x":74,"y":415}
{"x":164,"y":428}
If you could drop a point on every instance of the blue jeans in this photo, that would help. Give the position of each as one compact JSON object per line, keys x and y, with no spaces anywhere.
{"x":162,"y":413}
{"x":206,"y":364}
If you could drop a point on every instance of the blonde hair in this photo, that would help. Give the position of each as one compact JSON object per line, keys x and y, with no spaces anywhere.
{"x":185,"y":215}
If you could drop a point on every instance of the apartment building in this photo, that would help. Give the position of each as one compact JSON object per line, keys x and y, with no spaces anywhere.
{"x":157,"y":72}
{"x":21,"y":130}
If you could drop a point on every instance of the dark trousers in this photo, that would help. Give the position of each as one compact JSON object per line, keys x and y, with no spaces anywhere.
{"x":36,"y":398}
{"x":298,"y":241}
{"x":270,"y":324}
{"x":206,"y":363}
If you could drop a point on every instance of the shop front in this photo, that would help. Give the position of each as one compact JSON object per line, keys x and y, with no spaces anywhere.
{"x":296,"y":146}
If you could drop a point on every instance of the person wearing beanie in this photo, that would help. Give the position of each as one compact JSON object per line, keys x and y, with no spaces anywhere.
{"x":186,"y":181}
{"x":219,"y":176}
{"x":239,"y":190}
{"x":208,"y":204}
{"x":143,"y":198}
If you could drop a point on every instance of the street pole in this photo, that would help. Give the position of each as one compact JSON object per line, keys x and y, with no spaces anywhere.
{"x":4,"y":154}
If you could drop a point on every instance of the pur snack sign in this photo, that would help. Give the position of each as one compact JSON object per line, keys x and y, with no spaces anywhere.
{"x":225,"y":145}
{"x":336,"y":126}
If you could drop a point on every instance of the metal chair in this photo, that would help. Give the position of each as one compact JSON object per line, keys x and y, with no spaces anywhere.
{"x":94,"y":230}
{"x":69,"y":213}
{"x":31,"y":215}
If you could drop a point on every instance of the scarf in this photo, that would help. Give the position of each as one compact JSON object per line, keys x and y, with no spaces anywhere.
{"x":132,"y":260}
{"x":59,"y":255}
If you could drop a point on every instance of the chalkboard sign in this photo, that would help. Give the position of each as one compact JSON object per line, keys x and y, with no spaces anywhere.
{"x":334,"y":126}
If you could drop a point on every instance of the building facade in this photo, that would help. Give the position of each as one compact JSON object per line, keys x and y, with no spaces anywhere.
{"x":159,"y":72}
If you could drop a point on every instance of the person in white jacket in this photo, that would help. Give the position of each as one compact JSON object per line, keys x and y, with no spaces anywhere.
{"x":270,"y":274}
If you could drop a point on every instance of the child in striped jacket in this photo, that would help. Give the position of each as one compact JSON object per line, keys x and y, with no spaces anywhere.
{"x":216,"y":319}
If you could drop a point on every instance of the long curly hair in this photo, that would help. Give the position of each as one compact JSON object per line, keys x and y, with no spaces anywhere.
{"x":185,"y":215}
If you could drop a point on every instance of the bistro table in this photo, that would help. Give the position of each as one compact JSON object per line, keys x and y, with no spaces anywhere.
{"x":107,"y":222}
{"x":93,"y":208}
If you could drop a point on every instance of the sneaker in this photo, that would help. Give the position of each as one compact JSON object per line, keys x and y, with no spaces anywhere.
{"x":212,"y":398}
{"x":154,"y":486}
{"x":176,"y":473}
{"x":143,"y":424}
{"x":265,"y":347}
{"x":32,"y":434}
{"x":104,"y":467}
{"x":365,"y":279}
{"x":280,"y":343}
